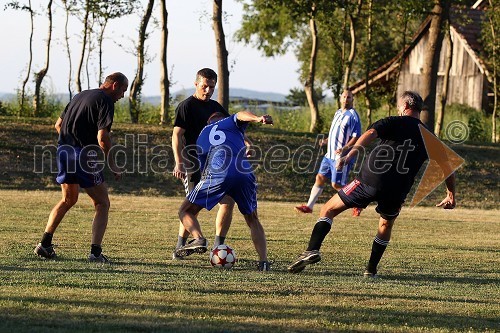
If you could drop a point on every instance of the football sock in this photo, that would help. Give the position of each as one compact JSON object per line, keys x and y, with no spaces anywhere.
{"x":46,"y":239}
{"x":378,"y":248}
{"x":219,"y":240}
{"x":96,"y":250}
{"x":313,"y":197}
{"x":321,"y":229}
{"x":181,"y":241}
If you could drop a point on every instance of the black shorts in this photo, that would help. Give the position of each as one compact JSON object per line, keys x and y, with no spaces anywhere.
{"x":357,"y":194}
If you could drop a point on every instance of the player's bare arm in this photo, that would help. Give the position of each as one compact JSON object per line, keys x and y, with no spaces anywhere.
{"x":104,"y":140}
{"x":58,"y":125}
{"x":363,"y":141}
{"x":248,"y":116}
{"x":177,"y":146}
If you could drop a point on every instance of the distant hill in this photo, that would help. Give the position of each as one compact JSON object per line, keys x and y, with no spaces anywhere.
{"x":234,"y":94}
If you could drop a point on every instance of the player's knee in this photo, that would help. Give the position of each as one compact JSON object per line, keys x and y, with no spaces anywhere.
{"x":102,"y":205}
{"x":70,"y":201}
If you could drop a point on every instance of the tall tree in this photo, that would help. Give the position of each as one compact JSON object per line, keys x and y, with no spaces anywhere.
{"x":431,"y":62}
{"x":164,"y":81}
{"x":40,"y":75}
{"x":222,"y":54}
{"x":68,"y":8}
{"x":85,"y":32}
{"x":493,"y":48}
{"x":138,"y":81}
{"x":446,"y":78}
{"x":368,"y":60}
{"x":28,"y":8}
{"x":353,"y":15}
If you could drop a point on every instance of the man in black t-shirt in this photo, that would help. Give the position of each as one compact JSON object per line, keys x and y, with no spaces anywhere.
{"x":84,"y":130}
{"x":191,"y":116}
{"x":386,"y":176}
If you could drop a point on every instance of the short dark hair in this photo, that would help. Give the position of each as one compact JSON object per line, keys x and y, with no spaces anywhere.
{"x":413,"y":100}
{"x":117,"y":77}
{"x":206,"y":73}
{"x":215,"y":115}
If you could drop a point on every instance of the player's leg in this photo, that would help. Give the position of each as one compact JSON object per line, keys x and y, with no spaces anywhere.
{"x":332,"y":208}
{"x":69,"y":198}
{"x":258,"y":235}
{"x":223,"y":220}
{"x":100,"y":198}
{"x":322,"y":177}
{"x":188,"y":215}
{"x":379,"y":245}
{"x":340,"y":179}
{"x":183,"y":234}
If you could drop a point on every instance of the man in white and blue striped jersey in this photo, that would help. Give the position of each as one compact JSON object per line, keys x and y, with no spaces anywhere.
{"x":344,"y":132}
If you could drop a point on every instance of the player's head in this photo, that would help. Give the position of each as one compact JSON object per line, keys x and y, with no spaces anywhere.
{"x":346,"y":99}
{"x":206,"y":79}
{"x":216,"y":116}
{"x":115,"y":85}
{"x":410,"y":101}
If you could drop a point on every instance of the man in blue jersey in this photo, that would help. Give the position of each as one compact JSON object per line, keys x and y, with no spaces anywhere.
{"x":344,"y":132}
{"x":226,"y":171}
{"x":84,"y":130}
{"x":386,"y":176}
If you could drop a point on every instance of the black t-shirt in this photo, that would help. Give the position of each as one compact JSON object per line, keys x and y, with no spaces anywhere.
{"x":192,"y":115}
{"x":392,"y":165}
{"x":86,"y":114}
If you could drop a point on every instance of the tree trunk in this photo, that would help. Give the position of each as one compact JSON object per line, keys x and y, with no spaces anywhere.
{"x":446,"y":77}
{"x":136,"y":86}
{"x":84,"y":45}
{"x":222,"y":64}
{"x":99,"y":42}
{"x":401,"y":60}
{"x":352,"y":53}
{"x":309,"y":84}
{"x":368,"y":58}
{"x":431,"y":63}
{"x":164,"y":82}
{"x":41,"y":74}
{"x":89,"y":52}
{"x":68,"y":50}
{"x":28,"y":74}
{"x":495,"y":76}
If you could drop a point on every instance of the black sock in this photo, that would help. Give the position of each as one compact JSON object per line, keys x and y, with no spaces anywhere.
{"x":46,"y":239}
{"x":219,"y":240}
{"x":181,"y":241}
{"x":96,"y":250}
{"x":378,"y":248}
{"x":321,"y":229}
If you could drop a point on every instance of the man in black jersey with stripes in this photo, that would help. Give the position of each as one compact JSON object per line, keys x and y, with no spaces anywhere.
{"x":386,"y":176}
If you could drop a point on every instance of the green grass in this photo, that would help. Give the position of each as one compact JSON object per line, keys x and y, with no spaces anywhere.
{"x":441,"y":272}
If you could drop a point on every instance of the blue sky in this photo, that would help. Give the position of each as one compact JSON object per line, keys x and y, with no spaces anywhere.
{"x":191,"y":46}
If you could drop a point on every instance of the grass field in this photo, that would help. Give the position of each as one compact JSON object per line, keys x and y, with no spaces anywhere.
{"x":441,"y":272}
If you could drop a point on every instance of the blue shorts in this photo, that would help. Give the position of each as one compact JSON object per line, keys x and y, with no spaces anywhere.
{"x":78,"y":166}
{"x":328,"y":169}
{"x":242,"y":187}
{"x":359,"y":195}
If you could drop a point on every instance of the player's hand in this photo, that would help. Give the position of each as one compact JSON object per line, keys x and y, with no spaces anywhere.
{"x":338,"y":151}
{"x":267,"y":119}
{"x":447,"y":203}
{"x":179,"y":171}
{"x":323,"y":142}
{"x":341,"y":162}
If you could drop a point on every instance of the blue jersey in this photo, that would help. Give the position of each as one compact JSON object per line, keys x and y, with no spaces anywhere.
{"x":221,"y":148}
{"x":226,"y":170}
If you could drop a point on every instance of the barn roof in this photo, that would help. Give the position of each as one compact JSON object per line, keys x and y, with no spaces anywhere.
{"x":467,"y":24}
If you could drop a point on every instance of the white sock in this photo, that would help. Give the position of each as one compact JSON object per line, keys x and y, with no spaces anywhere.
{"x":315,"y":193}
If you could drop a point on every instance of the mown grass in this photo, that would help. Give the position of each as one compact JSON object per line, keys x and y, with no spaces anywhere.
{"x":441,"y":272}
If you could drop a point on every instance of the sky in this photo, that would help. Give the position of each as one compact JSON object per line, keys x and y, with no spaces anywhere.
{"x":191,"y":46}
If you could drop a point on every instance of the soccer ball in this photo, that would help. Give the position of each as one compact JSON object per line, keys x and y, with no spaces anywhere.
{"x":223,"y":256}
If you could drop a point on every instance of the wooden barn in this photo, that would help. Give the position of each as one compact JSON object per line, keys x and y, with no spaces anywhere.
{"x":470,"y":83}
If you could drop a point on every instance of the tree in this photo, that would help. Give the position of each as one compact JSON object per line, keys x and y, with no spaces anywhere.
{"x":297,"y":96}
{"x":164,"y":81}
{"x":85,"y":33}
{"x":68,"y":8}
{"x":40,"y":75}
{"x":15,"y":5}
{"x":492,"y":47}
{"x":136,"y":86}
{"x":431,"y":63}
{"x":222,"y":63}
{"x":446,"y":77}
